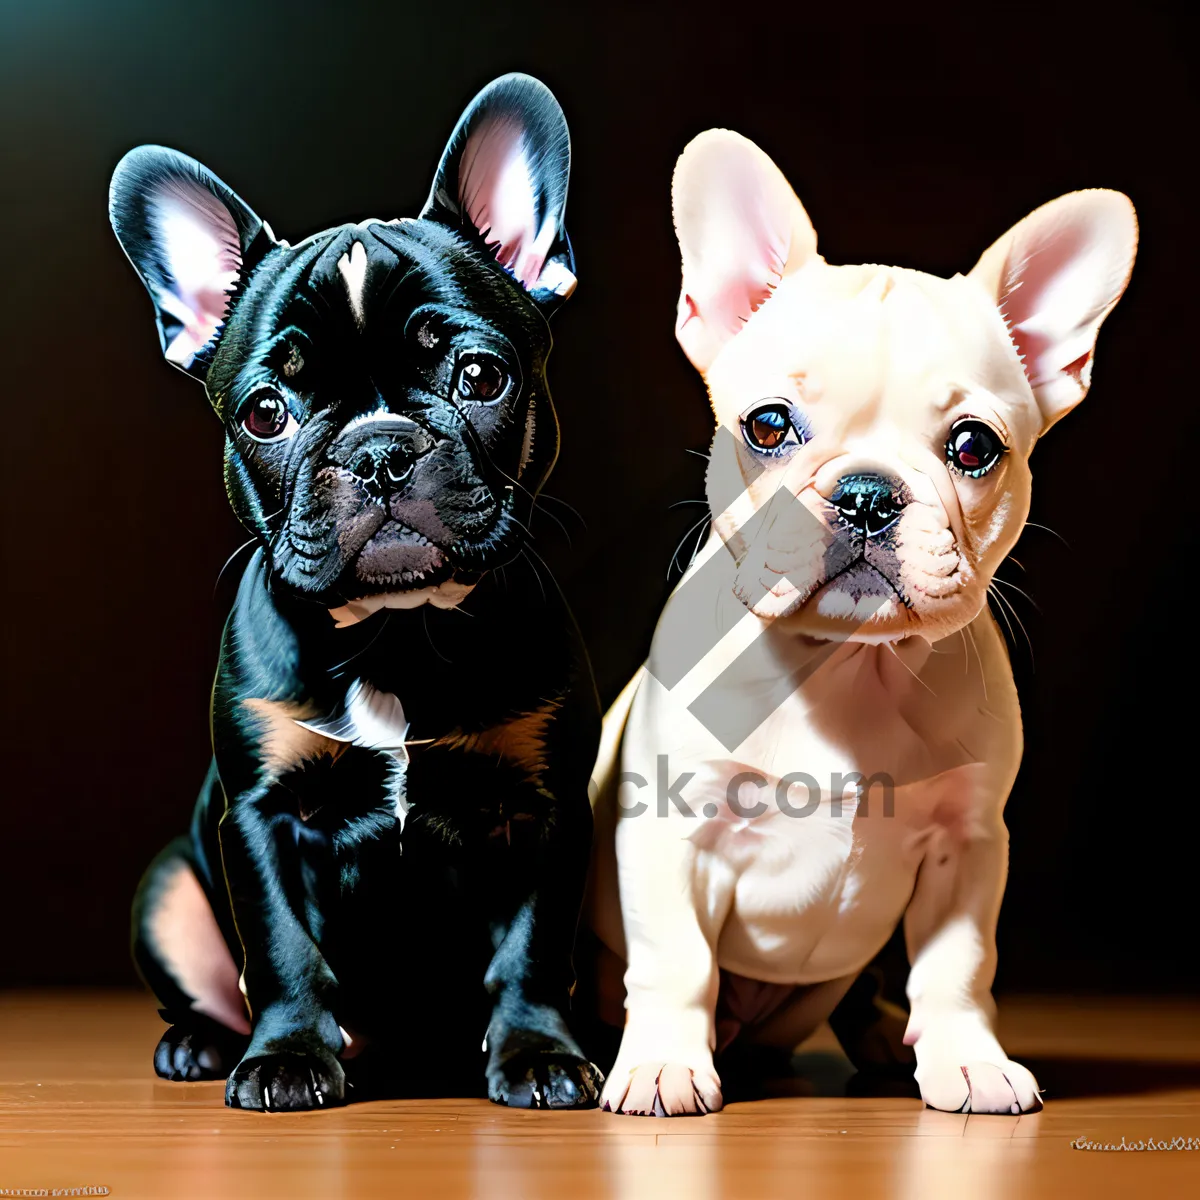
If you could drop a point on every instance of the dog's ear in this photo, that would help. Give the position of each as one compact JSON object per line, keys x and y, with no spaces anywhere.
{"x":741,"y":229}
{"x":191,"y":239}
{"x":1055,"y":276}
{"x":504,"y":172}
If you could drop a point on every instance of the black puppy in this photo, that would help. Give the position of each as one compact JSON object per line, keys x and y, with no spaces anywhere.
{"x":380,"y":690}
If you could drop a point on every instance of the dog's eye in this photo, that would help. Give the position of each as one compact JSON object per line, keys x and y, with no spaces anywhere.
{"x":481,"y":378}
{"x":267,"y":418}
{"x":973,"y":447}
{"x":770,"y":427}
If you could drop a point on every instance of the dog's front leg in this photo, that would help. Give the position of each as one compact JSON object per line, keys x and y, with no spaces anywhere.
{"x":271,"y":865}
{"x":533,"y":1060}
{"x":950,"y":928}
{"x":671,"y":919}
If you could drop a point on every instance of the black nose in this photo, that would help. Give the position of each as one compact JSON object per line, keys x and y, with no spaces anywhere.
{"x":381,"y":455}
{"x":868,"y":503}
{"x":384,"y":469}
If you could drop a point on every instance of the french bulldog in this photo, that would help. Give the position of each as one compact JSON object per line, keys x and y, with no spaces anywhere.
{"x":822,"y":741}
{"x":389,"y":852}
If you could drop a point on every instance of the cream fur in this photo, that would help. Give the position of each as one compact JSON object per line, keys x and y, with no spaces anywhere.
{"x":881,"y":361}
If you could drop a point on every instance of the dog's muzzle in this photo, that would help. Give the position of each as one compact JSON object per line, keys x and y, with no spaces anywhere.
{"x":381,"y":454}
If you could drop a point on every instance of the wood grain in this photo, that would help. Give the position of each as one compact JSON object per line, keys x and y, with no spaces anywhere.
{"x":80,"y":1106}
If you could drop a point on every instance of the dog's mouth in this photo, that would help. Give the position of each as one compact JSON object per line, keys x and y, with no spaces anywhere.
{"x":859,"y":593}
{"x":861,"y":581}
{"x":397,"y":557}
{"x":399,"y":567}
{"x":341,"y":551}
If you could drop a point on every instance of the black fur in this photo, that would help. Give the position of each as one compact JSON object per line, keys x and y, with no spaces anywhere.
{"x":424,"y":934}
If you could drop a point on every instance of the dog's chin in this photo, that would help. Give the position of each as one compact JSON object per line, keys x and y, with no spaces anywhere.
{"x":860,"y":605}
{"x":397,"y":558}
{"x":400,"y":568}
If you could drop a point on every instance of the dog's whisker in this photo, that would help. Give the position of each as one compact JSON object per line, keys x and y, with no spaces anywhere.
{"x":558,"y":500}
{"x":674,"y":564}
{"x":565,"y":532}
{"x":546,"y":567}
{"x":543,"y":496}
{"x":533,"y":508}
{"x":1025,"y":633}
{"x":522,"y":526}
{"x":900,"y":660}
{"x":535,"y":505}
{"x":225,"y":567}
{"x":698,"y":453}
{"x":979,"y":657}
{"x":700,"y":536}
{"x":387,"y":614}
{"x":429,"y":635}
{"x":524,"y":554}
{"x":1021,"y":591}
{"x":998,"y":597}
{"x":1008,"y":604}
{"x":1047,"y":529}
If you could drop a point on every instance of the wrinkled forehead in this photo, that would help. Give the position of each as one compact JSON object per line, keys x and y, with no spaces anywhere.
{"x":354,"y":268}
{"x":368,"y":277}
{"x":354,"y":272}
{"x":893,"y":339}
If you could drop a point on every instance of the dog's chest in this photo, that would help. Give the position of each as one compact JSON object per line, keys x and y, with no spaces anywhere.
{"x":481,"y":782}
{"x":811,"y":835}
{"x":818,"y":882}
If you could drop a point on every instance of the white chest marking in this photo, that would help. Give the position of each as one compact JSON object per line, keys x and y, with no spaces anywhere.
{"x":375,"y":721}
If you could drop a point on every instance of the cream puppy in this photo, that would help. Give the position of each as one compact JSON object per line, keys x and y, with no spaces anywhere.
{"x":823,"y":739}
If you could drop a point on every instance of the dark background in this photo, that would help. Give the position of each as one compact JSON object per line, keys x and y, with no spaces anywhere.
{"x":913,"y":140}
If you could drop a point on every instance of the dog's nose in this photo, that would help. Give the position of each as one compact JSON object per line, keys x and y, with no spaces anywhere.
{"x":868,"y":503}
{"x":388,"y":463}
{"x":382,"y":469}
{"x":381,"y":455}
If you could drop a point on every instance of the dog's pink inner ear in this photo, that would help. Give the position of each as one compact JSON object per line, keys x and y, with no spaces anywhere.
{"x":201,"y":253}
{"x":1055,"y":276}
{"x":498,"y":192}
{"x":741,"y":230}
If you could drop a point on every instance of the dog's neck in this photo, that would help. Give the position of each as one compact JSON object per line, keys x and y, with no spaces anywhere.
{"x":803,"y":650}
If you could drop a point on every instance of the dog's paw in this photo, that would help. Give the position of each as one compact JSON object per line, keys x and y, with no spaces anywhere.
{"x":191,"y":1053}
{"x":544,"y":1077}
{"x":663,"y":1090}
{"x":979,"y":1087}
{"x":961,"y":1067}
{"x":286,"y":1082}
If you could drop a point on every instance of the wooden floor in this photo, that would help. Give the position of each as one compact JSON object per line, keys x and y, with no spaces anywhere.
{"x":80,"y":1107}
